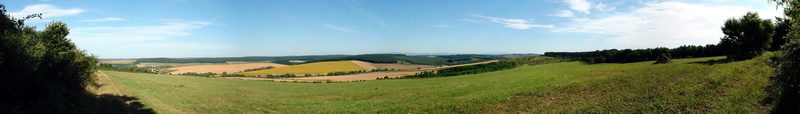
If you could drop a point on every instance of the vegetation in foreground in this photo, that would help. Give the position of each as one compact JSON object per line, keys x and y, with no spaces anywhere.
{"x":682,"y":86}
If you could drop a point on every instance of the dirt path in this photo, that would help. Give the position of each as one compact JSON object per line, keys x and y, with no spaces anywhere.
{"x":106,"y":85}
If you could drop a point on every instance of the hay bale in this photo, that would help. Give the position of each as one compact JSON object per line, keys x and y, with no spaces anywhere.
{"x":663,"y":59}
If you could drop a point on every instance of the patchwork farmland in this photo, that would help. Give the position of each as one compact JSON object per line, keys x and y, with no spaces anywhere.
{"x":310,"y":68}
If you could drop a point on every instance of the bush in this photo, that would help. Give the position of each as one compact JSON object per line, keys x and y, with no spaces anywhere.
{"x":42,"y":71}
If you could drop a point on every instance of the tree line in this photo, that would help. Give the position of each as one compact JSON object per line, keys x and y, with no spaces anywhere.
{"x":745,"y":38}
{"x":637,"y":55}
{"x":104,"y":66}
{"x":482,"y":68}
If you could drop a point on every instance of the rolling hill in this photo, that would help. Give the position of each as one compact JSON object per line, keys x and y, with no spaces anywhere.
{"x":688,"y":85}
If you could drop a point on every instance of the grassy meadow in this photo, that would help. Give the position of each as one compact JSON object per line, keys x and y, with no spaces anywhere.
{"x":310,"y":68}
{"x":687,"y":85}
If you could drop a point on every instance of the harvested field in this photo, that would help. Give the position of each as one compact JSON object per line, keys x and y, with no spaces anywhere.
{"x":354,"y":77}
{"x":401,"y":66}
{"x":174,"y":64}
{"x":219,"y":68}
{"x":126,"y":61}
{"x":365,"y":65}
{"x":310,"y":68}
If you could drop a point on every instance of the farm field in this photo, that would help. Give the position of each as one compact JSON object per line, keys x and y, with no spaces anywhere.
{"x":149,"y":64}
{"x":687,"y":85}
{"x":219,"y":68}
{"x":123,"y":61}
{"x":400,"y":66}
{"x":365,"y":65}
{"x":352,"y":77}
{"x":310,"y":68}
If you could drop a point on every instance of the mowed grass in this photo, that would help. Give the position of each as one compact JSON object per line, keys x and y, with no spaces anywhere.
{"x":677,"y":87}
{"x":310,"y":68}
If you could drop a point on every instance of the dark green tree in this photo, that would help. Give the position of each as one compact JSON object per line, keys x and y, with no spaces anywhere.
{"x":782,"y":27}
{"x":747,"y":37}
{"x":42,"y":71}
{"x":787,"y":79}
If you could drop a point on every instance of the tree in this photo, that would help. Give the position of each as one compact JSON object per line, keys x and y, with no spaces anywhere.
{"x":782,"y":27}
{"x":747,"y":37}
{"x":42,"y":71}
{"x":787,"y":79}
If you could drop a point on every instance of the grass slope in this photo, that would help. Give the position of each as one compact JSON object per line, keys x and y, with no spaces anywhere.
{"x":310,"y":68}
{"x":560,"y":87}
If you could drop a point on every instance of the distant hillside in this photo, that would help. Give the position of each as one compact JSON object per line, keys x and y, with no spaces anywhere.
{"x":423,"y":60}
{"x":373,"y":58}
{"x":281,"y":60}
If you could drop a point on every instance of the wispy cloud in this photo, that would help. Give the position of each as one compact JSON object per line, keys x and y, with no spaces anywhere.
{"x":579,"y":5}
{"x":165,"y":30}
{"x":564,"y":13}
{"x":356,"y":5}
{"x":104,"y":19}
{"x":338,"y":28}
{"x":442,"y":25}
{"x":512,"y":23}
{"x":142,"y":40}
{"x":47,"y":10}
{"x":668,"y":24}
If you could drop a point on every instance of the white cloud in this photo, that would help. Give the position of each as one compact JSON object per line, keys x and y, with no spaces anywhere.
{"x":564,"y":13}
{"x":334,"y":27}
{"x":167,"y":29}
{"x":668,"y":24}
{"x":604,"y":7}
{"x":48,"y":11}
{"x":513,"y":23}
{"x":145,"y":40}
{"x":104,"y":19}
{"x":579,"y":5}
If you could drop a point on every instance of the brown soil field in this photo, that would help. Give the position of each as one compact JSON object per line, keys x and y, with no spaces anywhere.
{"x":401,"y":66}
{"x":219,"y":68}
{"x":127,"y":61}
{"x":366,"y":65}
{"x":354,"y":77}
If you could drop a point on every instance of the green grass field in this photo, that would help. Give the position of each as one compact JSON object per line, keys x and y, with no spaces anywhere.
{"x":682,"y":86}
{"x":310,"y":68}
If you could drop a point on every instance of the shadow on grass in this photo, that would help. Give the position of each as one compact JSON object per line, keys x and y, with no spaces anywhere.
{"x":115,"y":104}
{"x":715,"y":61}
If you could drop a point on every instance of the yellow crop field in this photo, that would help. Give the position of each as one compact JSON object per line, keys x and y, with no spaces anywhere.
{"x":310,"y":68}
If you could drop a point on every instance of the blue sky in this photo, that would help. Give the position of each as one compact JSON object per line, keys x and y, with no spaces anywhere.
{"x":223,"y":28}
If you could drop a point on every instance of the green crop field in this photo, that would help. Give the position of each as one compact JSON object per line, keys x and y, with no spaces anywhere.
{"x":687,"y":85}
{"x":310,"y":68}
